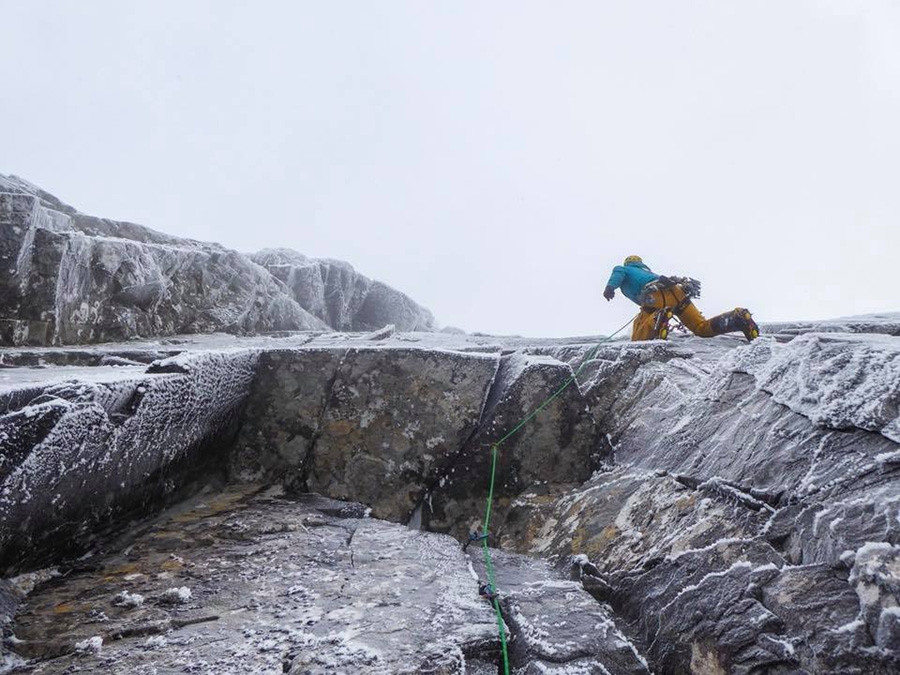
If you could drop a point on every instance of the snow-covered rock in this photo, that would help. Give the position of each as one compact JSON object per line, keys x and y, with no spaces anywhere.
{"x":731,"y":508}
{"x":748,"y":523}
{"x":336,"y":293}
{"x":837,"y":381}
{"x":78,"y":457}
{"x":69,"y":278}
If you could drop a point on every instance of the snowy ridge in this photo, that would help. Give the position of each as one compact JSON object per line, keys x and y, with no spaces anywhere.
{"x":77,"y":279}
{"x":336,"y":293}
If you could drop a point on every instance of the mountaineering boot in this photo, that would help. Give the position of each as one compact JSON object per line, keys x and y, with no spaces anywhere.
{"x":661,"y":324}
{"x":748,"y":325}
{"x":737,"y":319}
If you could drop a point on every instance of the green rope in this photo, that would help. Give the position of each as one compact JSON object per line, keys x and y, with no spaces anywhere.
{"x":489,"y":566}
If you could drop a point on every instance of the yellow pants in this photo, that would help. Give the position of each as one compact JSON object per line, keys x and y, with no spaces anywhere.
{"x":644,"y":327}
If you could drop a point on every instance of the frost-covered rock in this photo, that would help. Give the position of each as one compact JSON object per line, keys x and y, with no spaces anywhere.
{"x":738,"y":534}
{"x":837,"y":381}
{"x":336,"y":293}
{"x":883,"y":323}
{"x":76,"y":457}
{"x":277,"y":585}
{"x":91,"y":645}
{"x":68,"y":278}
{"x":731,"y":508}
{"x":556,"y":626}
{"x":310,"y":585}
{"x":175,"y":596}
{"x":126,"y":599}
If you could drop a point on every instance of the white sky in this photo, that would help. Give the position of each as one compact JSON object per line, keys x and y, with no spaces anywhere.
{"x":491,"y":159}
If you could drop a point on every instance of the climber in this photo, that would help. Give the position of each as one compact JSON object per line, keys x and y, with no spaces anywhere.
{"x":660,"y":297}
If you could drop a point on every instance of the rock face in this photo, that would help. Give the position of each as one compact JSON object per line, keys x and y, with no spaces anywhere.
{"x":252,"y":582}
{"x":405,"y":428}
{"x":369,"y":424}
{"x":694,"y":506}
{"x":738,"y":535}
{"x":68,"y":278}
{"x":531,"y":459}
{"x":556,"y":626}
{"x":334,"y":292}
{"x":78,"y":457}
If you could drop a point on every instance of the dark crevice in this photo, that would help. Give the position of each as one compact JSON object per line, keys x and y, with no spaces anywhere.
{"x":446,"y":469}
{"x":349,"y":544}
{"x":302,"y":481}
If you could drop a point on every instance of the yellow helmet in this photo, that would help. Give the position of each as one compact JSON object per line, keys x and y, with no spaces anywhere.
{"x":632,"y":258}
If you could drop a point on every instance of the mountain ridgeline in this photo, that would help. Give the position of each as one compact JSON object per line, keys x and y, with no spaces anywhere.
{"x":68,"y":278}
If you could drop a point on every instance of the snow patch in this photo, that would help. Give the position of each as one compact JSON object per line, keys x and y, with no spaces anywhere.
{"x":175,"y":596}
{"x":126,"y":599}
{"x":837,"y":381}
{"x":92,"y":645}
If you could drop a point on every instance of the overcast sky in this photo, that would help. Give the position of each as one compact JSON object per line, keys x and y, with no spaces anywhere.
{"x":493,"y":160}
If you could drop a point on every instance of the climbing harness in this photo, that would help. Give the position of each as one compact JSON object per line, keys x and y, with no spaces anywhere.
{"x":489,"y":590}
{"x":661,"y":325}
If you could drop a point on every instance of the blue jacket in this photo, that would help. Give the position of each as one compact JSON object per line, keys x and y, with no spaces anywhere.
{"x":631,"y":279}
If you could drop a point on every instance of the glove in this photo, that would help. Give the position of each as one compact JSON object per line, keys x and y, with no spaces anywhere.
{"x":665,"y":282}
{"x":609,"y":292}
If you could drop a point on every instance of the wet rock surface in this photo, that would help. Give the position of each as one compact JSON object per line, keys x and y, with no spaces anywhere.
{"x":720,"y":507}
{"x":368,"y":423}
{"x":554,"y":451}
{"x":247,"y":581}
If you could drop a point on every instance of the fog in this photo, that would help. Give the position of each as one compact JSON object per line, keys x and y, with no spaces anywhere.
{"x":492,"y":160}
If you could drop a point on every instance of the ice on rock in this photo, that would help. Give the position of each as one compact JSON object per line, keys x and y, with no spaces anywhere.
{"x":82,"y":455}
{"x":92,"y":645}
{"x":175,"y":596}
{"x":126,"y":599}
{"x":340,"y":296}
{"x":707,"y":501}
{"x":68,"y":278}
{"x":837,"y":381}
